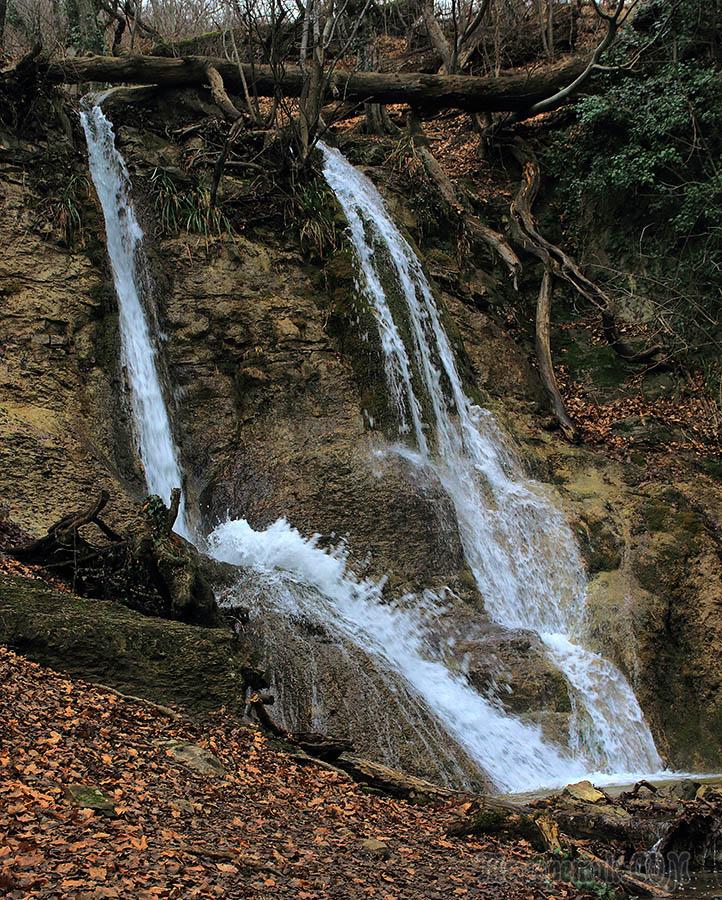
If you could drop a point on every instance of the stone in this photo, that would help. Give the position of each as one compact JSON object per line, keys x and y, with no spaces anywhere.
{"x":88,"y":797}
{"x":196,"y":758}
{"x":584,"y":791}
{"x":681,"y":790}
{"x":709,"y":792}
{"x":375,"y":847}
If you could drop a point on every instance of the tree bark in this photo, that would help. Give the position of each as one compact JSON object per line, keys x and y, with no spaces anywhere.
{"x":511,"y":93}
{"x":437,"y":36}
{"x":220,"y":97}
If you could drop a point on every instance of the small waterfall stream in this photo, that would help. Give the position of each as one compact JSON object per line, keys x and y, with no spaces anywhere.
{"x":138,"y":349}
{"x":518,"y":546}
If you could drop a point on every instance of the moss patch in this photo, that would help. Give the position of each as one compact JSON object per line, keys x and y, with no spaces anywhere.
{"x":164,"y":661}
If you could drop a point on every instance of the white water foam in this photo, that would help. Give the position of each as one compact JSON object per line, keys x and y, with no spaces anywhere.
{"x":512,"y":753}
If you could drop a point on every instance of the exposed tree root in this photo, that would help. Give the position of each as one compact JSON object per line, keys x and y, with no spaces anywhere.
{"x":149,"y":568}
{"x":544,"y":355}
{"x":558,"y":263}
{"x":477,"y":229}
{"x":232,"y":114}
{"x":526,"y":233}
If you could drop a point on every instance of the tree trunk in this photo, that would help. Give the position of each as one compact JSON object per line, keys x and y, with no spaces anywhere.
{"x":511,"y":93}
{"x":437,"y":37}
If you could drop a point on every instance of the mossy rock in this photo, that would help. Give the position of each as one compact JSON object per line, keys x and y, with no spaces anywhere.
{"x":595,"y":365}
{"x":711,"y":466}
{"x":599,"y":543}
{"x":88,"y":797}
{"x":164,"y":661}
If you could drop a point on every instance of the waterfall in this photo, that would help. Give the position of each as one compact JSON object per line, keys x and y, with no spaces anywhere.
{"x":139,"y":353}
{"x":517,"y":544}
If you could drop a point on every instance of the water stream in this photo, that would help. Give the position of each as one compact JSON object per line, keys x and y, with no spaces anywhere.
{"x":138,"y":348}
{"x":517,"y":544}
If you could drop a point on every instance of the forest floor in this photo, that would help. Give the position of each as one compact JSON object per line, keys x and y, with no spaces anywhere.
{"x":106,"y":796}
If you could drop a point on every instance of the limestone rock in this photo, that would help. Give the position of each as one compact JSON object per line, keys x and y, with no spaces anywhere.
{"x":584,"y":791}
{"x":196,"y":758}
{"x":375,"y":847}
{"x":709,"y":792}
{"x":280,"y":407}
{"x":89,"y":797}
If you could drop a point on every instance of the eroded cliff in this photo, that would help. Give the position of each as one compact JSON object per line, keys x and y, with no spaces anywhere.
{"x":279,"y":407}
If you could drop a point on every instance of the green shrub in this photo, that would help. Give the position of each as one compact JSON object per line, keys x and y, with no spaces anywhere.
{"x":638,"y":177}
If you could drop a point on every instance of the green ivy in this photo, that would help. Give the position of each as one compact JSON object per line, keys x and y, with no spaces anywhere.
{"x":638,"y":173}
{"x":652,"y":144}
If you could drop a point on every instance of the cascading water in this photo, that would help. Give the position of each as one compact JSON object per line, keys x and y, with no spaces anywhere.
{"x":518,"y":546}
{"x":319,"y":585}
{"x":124,"y":237}
{"x":407,"y":690}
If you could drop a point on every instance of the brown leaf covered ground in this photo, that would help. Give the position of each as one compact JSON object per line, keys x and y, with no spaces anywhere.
{"x":268,"y":828}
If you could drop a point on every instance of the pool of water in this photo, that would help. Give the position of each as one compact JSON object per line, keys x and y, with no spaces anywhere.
{"x":698,"y":885}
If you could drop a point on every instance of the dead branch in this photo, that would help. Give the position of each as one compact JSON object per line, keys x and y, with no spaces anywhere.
{"x":486,"y":235}
{"x":220,"y":97}
{"x":319,"y":746}
{"x":148,"y":568}
{"x":555,"y":100}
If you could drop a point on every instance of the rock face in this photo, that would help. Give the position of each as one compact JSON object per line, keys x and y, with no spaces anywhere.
{"x":655,"y":593}
{"x":64,"y":431}
{"x":279,"y":410}
{"x":271,"y":415}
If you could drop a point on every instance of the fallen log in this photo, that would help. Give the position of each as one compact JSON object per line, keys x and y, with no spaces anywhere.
{"x":608,"y":874}
{"x":392,"y":782}
{"x":505,"y":93}
{"x":320,"y":746}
